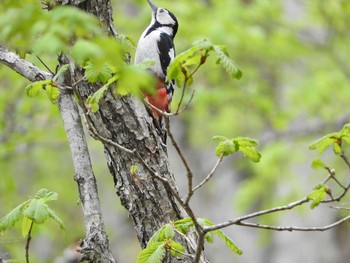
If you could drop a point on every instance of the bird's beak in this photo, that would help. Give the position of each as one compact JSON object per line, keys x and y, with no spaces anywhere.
{"x":153,"y":6}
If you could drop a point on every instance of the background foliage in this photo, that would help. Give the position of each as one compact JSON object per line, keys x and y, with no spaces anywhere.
{"x":295,"y":87}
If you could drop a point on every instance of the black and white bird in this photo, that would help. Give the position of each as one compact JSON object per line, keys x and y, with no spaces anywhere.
{"x":156,"y":44}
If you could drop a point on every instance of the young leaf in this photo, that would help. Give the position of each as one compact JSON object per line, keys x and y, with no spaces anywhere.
{"x":55,"y":218}
{"x":183,"y":225}
{"x":34,"y":88}
{"x":225,"y":148}
{"x":153,"y":253}
{"x":317,"y":164}
{"x":229,"y":242}
{"x":169,"y":231}
{"x":219,"y":138}
{"x":11,"y":218}
{"x":60,"y":72}
{"x":93,"y":101}
{"x":98,"y":72}
{"x":228,"y":64}
{"x":36,"y":211}
{"x":323,"y":143}
{"x":317,"y":195}
{"x":26,"y":225}
{"x":134,"y":80}
{"x":52,"y":93}
{"x":176,"y":248}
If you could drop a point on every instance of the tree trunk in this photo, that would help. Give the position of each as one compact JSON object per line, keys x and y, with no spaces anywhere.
{"x":124,"y":120}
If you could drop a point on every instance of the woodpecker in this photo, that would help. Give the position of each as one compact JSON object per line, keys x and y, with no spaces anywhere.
{"x":156,"y":44}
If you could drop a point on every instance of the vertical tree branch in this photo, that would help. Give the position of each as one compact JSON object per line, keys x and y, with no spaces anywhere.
{"x":95,"y":247}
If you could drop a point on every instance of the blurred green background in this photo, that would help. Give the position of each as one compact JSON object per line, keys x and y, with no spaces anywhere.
{"x":295,"y":88}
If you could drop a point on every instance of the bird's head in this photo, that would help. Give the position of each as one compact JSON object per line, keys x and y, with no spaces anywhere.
{"x":162,"y":17}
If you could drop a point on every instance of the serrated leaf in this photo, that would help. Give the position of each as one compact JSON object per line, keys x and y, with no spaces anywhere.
{"x":63,"y":69}
{"x":250,"y":152}
{"x":37,"y":211}
{"x":135,"y":80}
{"x":92,"y":101}
{"x":34,"y":88}
{"x":55,"y":218}
{"x":229,"y":242}
{"x":345,"y":130}
{"x":219,"y":138}
{"x":169,"y":231}
{"x":183,"y":225}
{"x":227,"y":63}
{"x":26,"y":225}
{"x":12,"y":217}
{"x":52,"y":93}
{"x":337,"y":148}
{"x":245,"y":141}
{"x":153,"y":253}
{"x":98,"y":72}
{"x":317,"y":195}
{"x":225,"y":148}
{"x":323,"y":143}
{"x":317,"y":164}
{"x":84,"y":50}
{"x":209,"y":237}
{"x":176,"y":248}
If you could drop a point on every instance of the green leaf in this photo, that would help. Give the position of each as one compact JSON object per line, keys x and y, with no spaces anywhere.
{"x":323,"y":143}
{"x":317,"y":164}
{"x":183,"y":225}
{"x":229,"y":242}
{"x":226,"y":62}
{"x":209,"y":237}
{"x":46,"y":195}
{"x":52,"y":93}
{"x":63,"y":69}
{"x":55,"y":218}
{"x":337,"y":148}
{"x":84,"y":50}
{"x":12,"y":217}
{"x":93,"y":101}
{"x":176,"y":248}
{"x":98,"y":72}
{"x":26,"y":225}
{"x":317,"y":195}
{"x":250,"y":152}
{"x":153,"y":253}
{"x":169,"y":231}
{"x":34,"y":88}
{"x":219,"y":138}
{"x":225,"y":148}
{"x":134,"y":80}
{"x":37,"y":211}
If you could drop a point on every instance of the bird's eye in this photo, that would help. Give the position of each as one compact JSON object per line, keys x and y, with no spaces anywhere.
{"x":161,"y":10}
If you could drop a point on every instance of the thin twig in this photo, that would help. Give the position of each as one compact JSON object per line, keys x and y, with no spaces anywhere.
{"x":29,"y":237}
{"x":295,"y":228}
{"x":256,"y":214}
{"x":182,"y":157}
{"x":210,"y":175}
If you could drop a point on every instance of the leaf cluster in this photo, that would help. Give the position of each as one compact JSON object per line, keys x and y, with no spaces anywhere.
{"x":186,"y":64}
{"x":49,"y":86}
{"x":245,"y":145}
{"x":34,"y":210}
{"x":163,"y":240}
{"x":335,"y":139}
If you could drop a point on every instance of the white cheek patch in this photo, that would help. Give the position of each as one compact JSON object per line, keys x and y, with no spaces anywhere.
{"x":165,"y":19}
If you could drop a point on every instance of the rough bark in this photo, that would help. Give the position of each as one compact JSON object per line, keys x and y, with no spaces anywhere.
{"x":124,"y":120}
